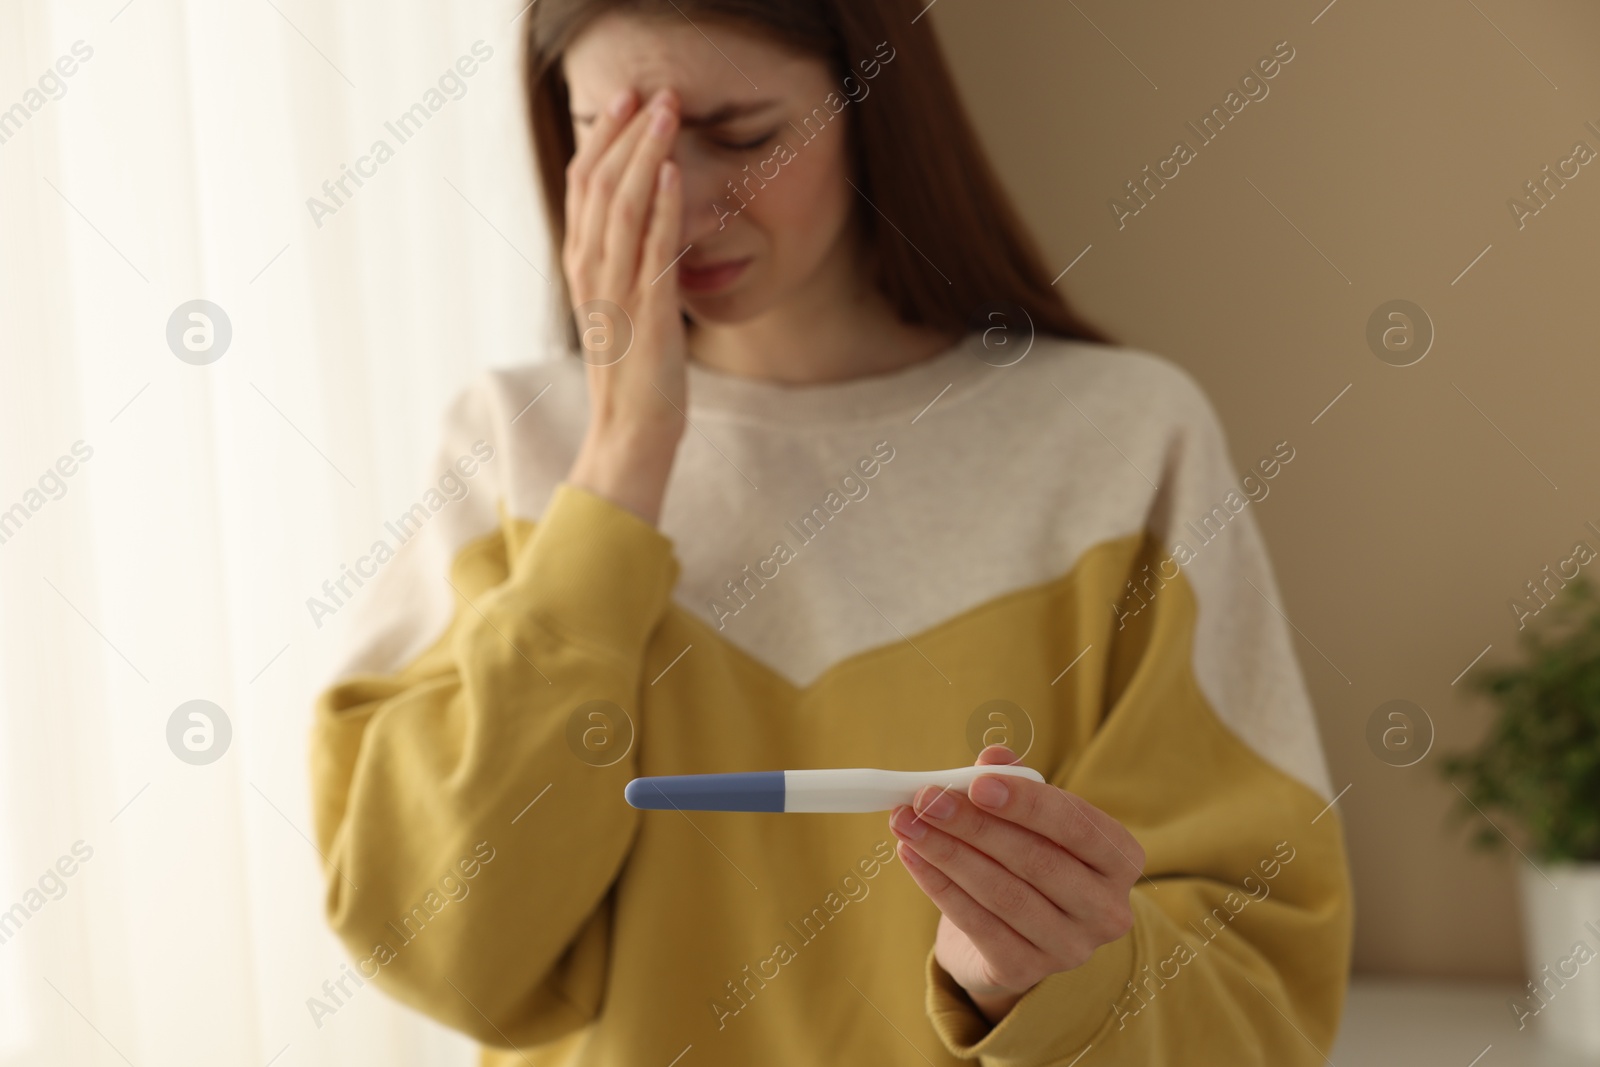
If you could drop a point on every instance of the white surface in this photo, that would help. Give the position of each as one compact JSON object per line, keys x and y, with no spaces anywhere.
{"x":1410,"y":1023}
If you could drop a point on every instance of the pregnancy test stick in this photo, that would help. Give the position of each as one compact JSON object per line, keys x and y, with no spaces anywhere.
{"x":844,"y":789}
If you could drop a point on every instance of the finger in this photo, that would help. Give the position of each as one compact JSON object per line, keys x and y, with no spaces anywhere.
{"x":1061,"y":877}
{"x":594,"y":197}
{"x":1070,"y":821}
{"x":1010,"y":957}
{"x":611,"y":118}
{"x":661,"y":238}
{"x":630,"y":205}
{"x":1018,"y":904}
{"x":600,"y":187}
{"x":1112,"y":832}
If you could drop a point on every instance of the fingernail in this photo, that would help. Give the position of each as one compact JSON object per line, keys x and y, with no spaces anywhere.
{"x":936,"y":803}
{"x":660,"y":121}
{"x":619,"y":103}
{"x":907,"y":824}
{"x":989,"y":791}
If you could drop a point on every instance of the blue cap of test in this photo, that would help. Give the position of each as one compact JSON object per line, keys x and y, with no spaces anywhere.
{"x":746,"y":791}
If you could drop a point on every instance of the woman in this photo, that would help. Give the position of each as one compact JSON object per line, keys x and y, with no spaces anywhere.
{"x":815,"y":496}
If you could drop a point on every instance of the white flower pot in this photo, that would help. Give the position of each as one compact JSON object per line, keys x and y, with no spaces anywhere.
{"x":1561,"y":924}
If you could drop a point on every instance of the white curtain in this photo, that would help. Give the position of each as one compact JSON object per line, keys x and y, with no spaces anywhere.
{"x":163,"y":520}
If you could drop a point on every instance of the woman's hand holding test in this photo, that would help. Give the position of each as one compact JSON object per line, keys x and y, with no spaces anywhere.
{"x":1029,"y":880}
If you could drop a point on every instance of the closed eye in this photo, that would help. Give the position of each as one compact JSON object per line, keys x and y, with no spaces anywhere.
{"x":745,"y":146}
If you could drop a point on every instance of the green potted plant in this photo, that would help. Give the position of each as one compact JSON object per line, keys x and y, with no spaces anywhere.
{"x":1539,"y":768}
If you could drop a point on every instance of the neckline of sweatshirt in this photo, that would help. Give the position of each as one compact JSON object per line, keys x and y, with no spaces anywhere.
{"x":946,"y":376}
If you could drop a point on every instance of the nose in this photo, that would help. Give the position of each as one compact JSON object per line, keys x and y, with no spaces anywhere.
{"x":709,"y":205}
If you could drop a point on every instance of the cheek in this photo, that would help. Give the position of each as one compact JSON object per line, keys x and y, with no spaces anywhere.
{"x":802,"y":210}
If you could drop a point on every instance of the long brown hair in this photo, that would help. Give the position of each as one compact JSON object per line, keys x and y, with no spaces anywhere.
{"x":956,"y":244}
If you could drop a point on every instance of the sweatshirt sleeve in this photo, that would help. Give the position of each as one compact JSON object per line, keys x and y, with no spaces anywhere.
{"x":456,"y":762}
{"x":1206,"y":749}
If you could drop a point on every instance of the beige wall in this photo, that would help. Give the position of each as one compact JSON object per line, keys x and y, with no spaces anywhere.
{"x":1392,"y":142}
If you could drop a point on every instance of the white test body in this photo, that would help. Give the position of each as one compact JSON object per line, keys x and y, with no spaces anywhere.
{"x":857,"y":789}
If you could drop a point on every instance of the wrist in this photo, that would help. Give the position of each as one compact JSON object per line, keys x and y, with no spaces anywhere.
{"x":994,"y":1006}
{"x":628,"y":466}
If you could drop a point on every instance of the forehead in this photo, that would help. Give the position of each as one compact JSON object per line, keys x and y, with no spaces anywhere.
{"x":707,"y":63}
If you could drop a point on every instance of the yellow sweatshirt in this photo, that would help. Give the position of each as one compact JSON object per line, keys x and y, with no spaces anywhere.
{"x":889,"y":572}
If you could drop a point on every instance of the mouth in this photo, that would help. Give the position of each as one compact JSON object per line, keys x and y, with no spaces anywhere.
{"x":711,"y":277}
